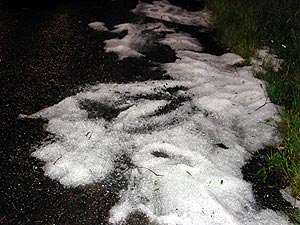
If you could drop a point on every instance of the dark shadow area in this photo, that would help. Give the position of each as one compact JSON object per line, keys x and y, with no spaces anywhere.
{"x":171,"y":106}
{"x":190,"y":5}
{"x":98,"y":110}
{"x":138,"y":218}
{"x":221,"y":145}
{"x":160,"y":53}
{"x":173,"y":90}
{"x":160,"y":154}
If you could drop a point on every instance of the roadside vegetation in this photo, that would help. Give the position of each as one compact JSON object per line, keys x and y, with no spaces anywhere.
{"x":247,"y":25}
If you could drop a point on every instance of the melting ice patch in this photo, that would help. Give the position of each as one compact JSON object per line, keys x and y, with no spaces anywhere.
{"x":182,"y":41}
{"x":163,"y":10}
{"x":187,"y":138}
{"x":127,"y":46}
{"x":98,"y":26}
{"x":196,"y":131}
{"x":139,"y":37}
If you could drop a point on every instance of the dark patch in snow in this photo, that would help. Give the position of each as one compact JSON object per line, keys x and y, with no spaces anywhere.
{"x":159,"y":53}
{"x":158,"y":96}
{"x":129,"y":69}
{"x":166,"y":94}
{"x":100,"y":110}
{"x":267,"y":192}
{"x":173,"y":105}
{"x":146,"y":128}
{"x":138,"y":218}
{"x":115,"y":182}
{"x":160,"y":154}
{"x":162,"y":94}
{"x":173,"y":90}
{"x":221,"y":145}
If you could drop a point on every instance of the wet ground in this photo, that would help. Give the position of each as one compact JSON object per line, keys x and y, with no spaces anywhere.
{"x":48,"y":52}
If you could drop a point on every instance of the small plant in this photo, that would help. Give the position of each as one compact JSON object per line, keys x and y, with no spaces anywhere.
{"x":294,"y":215}
{"x":156,"y":187}
{"x":263,"y":173}
{"x":245,"y":26}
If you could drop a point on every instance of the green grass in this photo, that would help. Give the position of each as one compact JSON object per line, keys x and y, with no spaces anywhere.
{"x":246,"y":25}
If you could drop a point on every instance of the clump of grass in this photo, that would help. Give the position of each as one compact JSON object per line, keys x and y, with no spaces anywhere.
{"x":284,"y":89}
{"x":295,"y":215}
{"x":246,"y":25}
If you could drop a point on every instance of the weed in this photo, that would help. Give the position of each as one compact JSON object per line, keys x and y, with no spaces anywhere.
{"x":294,"y":215}
{"x":263,"y":173}
{"x":245,"y":26}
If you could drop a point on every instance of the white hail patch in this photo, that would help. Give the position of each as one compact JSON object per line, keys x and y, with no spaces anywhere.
{"x":201,"y":183}
{"x":140,"y":36}
{"x":98,"y":26}
{"x":163,"y":10}
{"x":181,"y":174}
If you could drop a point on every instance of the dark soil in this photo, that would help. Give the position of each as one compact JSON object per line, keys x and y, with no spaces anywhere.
{"x":266,"y":189}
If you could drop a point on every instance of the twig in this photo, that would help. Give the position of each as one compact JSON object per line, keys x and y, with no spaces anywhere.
{"x":266,"y":101}
{"x":141,"y":167}
{"x":57,"y":159}
{"x":2,"y":219}
{"x":262,"y":106}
